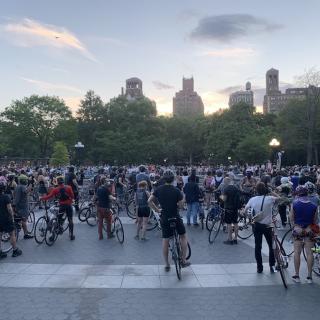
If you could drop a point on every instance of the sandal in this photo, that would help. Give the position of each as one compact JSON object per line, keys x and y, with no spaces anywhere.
{"x":167,"y":268}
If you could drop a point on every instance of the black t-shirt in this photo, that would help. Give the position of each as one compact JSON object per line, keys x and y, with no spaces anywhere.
{"x":232,"y":201}
{"x":4,"y":201}
{"x":103,"y":194}
{"x":71,"y":176}
{"x":168,"y":197}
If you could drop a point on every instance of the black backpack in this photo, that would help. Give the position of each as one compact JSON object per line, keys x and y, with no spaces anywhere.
{"x":63,"y":196}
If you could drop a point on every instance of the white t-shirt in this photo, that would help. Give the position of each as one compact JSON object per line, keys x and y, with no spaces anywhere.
{"x":255,"y":204}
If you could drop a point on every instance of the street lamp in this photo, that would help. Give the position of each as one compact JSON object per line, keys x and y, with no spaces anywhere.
{"x":79,"y":146}
{"x":274,"y":144}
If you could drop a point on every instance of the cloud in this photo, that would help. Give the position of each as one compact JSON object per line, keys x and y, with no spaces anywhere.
{"x":30,"y":33}
{"x":73,"y":103}
{"x":108,"y":40}
{"x":164,"y":105}
{"x":230,"y":53}
{"x":51,"y":87}
{"x":162,"y":86}
{"x":229,"y":90}
{"x":227,"y":27}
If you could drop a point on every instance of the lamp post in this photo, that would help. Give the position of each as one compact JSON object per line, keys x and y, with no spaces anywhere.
{"x":78,"y":146}
{"x":274,"y":144}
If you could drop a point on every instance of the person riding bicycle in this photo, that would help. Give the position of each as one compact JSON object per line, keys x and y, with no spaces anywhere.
{"x":65,"y":196}
{"x":7,"y":222}
{"x":170,"y":198}
{"x":71,"y":180}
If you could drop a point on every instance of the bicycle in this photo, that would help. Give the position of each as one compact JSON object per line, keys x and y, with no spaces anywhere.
{"x":213,"y":212}
{"x":245,"y":230}
{"x":6,"y":246}
{"x":116,"y":224}
{"x":287,"y":242}
{"x":217,"y":222}
{"x":316,"y":256}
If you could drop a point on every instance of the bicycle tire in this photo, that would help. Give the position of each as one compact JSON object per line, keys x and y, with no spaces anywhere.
{"x":177,"y":261}
{"x":31,"y":222}
{"x":152,"y":223}
{"x":51,"y":232}
{"x":91,"y":217}
{"x":188,"y":255}
{"x":280,"y":264}
{"x":289,"y":239}
{"x":213,"y":233}
{"x":118,"y":229}
{"x":82,"y":214}
{"x":40,"y":230}
{"x":245,"y":230}
{"x":131,"y":209}
{"x":5,"y":243}
{"x":209,"y":219}
{"x":316,"y":261}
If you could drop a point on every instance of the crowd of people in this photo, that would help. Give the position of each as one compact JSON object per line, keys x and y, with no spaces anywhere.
{"x":240,"y":190}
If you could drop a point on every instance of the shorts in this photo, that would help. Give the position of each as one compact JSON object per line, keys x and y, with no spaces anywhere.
{"x":67,"y":209}
{"x":22,"y":213}
{"x":167,"y":231}
{"x":7,"y":225}
{"x":144,"y":212}
{"x":231,"y":216}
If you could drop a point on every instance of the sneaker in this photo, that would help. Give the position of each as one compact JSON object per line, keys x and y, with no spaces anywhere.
{"x":185,"y":264}
{"x":296,"y":279}
{"x":259,"y":270}
{"x":2,"y":255}
{"x":16,"y":252}
{"x":235,"y":241}
{"x":167,"y":268}
{"x":230,"y":242}
{"x":72,"y":237}
{"x":272,"y":269}
{"x":309,"y":280}
{"x":28,"y":236}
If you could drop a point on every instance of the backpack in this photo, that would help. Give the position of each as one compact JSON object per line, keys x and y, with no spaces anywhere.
{"x":63,"y":196}
{"x":142,"y":198}
{"x":217,"y":183}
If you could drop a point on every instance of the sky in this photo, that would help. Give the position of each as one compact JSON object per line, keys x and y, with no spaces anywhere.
{"x":67,"y":47}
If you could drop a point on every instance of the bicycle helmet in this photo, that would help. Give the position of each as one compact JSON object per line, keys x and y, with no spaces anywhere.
{"x":23,"y":179}
{"x":310,"y":187}
{"x":60,"y":180}
{"x":301,"y":191}
{"x":168,"y":176}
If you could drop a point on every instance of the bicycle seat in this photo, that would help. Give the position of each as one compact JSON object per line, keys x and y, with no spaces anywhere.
{"x":172,"y":220}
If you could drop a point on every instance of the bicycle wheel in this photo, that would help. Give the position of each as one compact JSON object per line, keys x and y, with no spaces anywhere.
{"x":188,"y":254}
{"x":5,"y":243}
{"x":31,"y":222}
{"x":91,"y":217}
{"x":287,"y":243}
{"x":215,"y":228}
{"x":177,"y":259}
{"x":244,"y":228}
{"x":51,"y":234}
{"x":131,"y":209}
{"x":40,"y":230}
{"x":316,"y":260}
{"x":118,"y":229}
{"x":152,"y":223}
{"x":281,"y":264}
{"x":82,"y":215}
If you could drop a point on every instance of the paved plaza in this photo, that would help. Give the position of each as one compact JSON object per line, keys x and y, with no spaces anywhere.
{"x":92,"y":279}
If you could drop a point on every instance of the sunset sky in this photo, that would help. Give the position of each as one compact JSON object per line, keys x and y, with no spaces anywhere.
{"x":65,"y":48}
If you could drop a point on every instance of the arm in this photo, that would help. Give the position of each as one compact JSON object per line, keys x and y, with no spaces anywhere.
{"x":52,"y":194}
{"x":152,"y":205}
{"x":10,"y":210}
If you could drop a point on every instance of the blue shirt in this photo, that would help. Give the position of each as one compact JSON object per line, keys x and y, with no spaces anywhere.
{"x":304,"y":212}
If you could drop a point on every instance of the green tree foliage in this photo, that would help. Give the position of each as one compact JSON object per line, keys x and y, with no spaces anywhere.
{"x":60,"y":156}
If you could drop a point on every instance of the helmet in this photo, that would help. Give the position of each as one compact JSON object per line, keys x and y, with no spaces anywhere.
{"x":219,"y":172}
{"x":310,"y":187}
{"x":301,"y":191}
{"x":142,"y":168}
{"x":60,"y":180}
{"x":168,"y":176}
{"x":284,"y":180}
{"x":23,"y":179}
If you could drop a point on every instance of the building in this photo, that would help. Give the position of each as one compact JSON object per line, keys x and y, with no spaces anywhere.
{"x":275,"y":100}
{"x":133,"y":89}
{"x":187,"y":102}
{"x":242,"y":96}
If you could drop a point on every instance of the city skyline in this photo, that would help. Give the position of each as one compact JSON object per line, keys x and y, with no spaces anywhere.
{"x":222,"y":45}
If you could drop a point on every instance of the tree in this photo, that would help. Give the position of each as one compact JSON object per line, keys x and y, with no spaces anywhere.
{"x":60,"y":156}
{"x":36,"y":117}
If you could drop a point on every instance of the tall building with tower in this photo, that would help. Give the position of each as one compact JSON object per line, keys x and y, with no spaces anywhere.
{"x":274,"y":100}
{"x":133,"y":89}
{"x":187,"y":102}
{"x":242,"y":96}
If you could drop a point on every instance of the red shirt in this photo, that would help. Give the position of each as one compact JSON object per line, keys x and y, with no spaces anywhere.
{"x":56,"y":191}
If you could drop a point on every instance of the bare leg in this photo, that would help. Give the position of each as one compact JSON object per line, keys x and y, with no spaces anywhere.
{"x":308,"y":246}
{"x":13,"y":240}
{"x":165,"y":251}
{"x":24,"y":226}
{"x":297,"y":252}
{"x":229,"y":228}
{"x":144,"y":227}
{"x":139,"y":225}
{"x":236,"y":228}
{"x":184,"y":246}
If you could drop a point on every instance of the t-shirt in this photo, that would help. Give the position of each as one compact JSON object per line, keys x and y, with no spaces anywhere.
{"x":304,"y":211}
{"x":21,"y":198}
{"x":192,"y":192}
{"x":168,"y":197}
{"x":142,"y":198}
{"x":4,"y":201}
{"x":142,"y":177}
{"x":70,"y":177}
{"x":103,"y":194}
{"x":255,"y":204}
{"x":232,"y":201}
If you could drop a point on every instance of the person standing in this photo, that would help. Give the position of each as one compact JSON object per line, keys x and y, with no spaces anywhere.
{"x":192,"y":194}
{"x":143,"y":210}
{"x":73,"y":183}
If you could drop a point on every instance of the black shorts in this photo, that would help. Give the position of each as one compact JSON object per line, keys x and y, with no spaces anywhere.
{"x":167,"y":231}
{"x":144,"y":212}
{"x":231,"y":216}
{"x":7,"y":225}
{"x":67,"y":209}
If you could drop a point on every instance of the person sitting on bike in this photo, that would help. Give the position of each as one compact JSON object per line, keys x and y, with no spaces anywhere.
{"x":65,"y":196}
{"x":303,"y":215}
{"x":170,"y":198}
{"x":71,"y":180}
{"x":21,"y":204}
{"x":248,"y":184}
{"x":143,"y":210}
{"x":261,"y":207}
{"x":104,"y":198}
